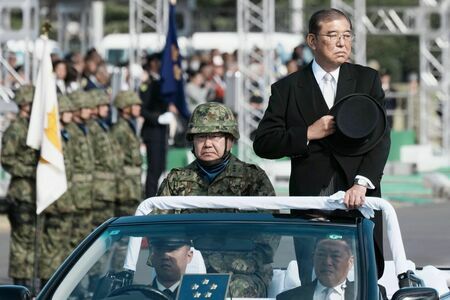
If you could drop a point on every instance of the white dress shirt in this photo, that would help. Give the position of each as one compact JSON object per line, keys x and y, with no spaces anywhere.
{"x":319,"y":73}
{"x":324,"y":293}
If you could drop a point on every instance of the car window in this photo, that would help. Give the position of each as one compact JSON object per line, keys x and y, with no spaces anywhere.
{"x":263,"y":260}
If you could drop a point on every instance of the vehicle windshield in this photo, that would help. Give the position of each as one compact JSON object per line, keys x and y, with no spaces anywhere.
{"x":234,"y":259}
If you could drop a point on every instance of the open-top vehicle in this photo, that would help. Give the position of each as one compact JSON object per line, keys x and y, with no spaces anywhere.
{"x":238,"y":237}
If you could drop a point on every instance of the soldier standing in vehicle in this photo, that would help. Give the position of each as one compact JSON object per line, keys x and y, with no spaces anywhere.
{"x":213,"y":130}
{"x":83,"y":166}
{"x":58,"y":217}
{"x":20,"y":161}
{"x":125,"y":132}
{"x":108,"y":157}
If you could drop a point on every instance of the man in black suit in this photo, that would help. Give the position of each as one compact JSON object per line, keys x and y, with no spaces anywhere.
{"x":298,"y":124}
{"x":297,"y":121}
{"x":157,"y":116}
{"x":333,"y":259}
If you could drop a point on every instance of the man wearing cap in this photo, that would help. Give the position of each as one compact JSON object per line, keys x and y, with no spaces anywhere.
{"x":20,"y":161}
{"x":125,"y":132}
{"x":333,"y":259}
{"x":298,"y":122}
{"x":83,"y":165}
{"x":169,"y":257}
{"x":58,"y":217}
{"x":158,"y":115}
{"x":215,"y":171}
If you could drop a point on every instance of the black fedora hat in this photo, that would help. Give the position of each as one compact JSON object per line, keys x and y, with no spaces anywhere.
{"x":360,"y":124}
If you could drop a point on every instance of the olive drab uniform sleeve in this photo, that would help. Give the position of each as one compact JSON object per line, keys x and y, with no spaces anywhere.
{"x":20,"y":161}
{"x":129,"y":183}
{"x":107,"y":156}
{"x":58,"y":220}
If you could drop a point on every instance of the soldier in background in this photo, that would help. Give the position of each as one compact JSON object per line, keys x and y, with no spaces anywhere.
{"x":108,"y":160}
{"x":125,"y":132}
{"x":58,"y":217}
{"x":20,"y":161}
{"x":83,"y":166}
{"x":213,"y":130}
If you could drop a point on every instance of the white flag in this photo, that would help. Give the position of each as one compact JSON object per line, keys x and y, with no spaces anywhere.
{"x":44,"y":134}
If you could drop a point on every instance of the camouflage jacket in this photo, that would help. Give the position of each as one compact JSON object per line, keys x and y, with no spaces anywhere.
{"x":20,"y":161}
{"x":108,"y":160}
{"x":129,"y":184}
{"x":82,"y":166}
{"x":65,"y":203}
{"x":238,"y":179}
{"x":252,"y":272}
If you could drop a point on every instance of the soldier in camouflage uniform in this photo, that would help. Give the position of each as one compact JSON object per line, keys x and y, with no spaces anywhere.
{"x":58,"y":217}
{"x":108,"y":160}
{"x":83,"y":166}
{"x":216,"y":172}
{"x":125,"y":132}
{"x":20,"y":161}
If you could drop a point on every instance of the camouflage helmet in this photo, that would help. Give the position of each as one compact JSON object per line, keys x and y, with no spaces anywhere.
{"x":65,"y":104}
{"x":102,"y":97}
{"x":98,"y":96}
{"x":81,"y":99}
{"x":212,"y":117}
{"x":91,"y":99}
{"x":126,"y":98}
{"x":24,"y":95}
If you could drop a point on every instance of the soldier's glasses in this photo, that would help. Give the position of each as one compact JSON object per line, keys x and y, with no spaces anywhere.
{"x":215,"y":137}
{"x":334,"y":37}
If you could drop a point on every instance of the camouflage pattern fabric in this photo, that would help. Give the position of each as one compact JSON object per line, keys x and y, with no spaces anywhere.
{"x":65,"y":104}
{"x":20,"y":161}
{"x":58,"y":221}
{"x":24,"y":95}
{"x":81,"y":99}
{"x":251,"y":273}
{"x":212,"y":117}
{"x":100,"y":95}
{"x":108,"y":162}
{"x":82,"y":178}
{"x":238,"y":179}
{"x":126,"y":98}
{"x":129,"y":183}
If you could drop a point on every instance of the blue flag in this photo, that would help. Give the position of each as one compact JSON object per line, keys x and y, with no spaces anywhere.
{"x":172,"y":83}
{"x":204,"y":286}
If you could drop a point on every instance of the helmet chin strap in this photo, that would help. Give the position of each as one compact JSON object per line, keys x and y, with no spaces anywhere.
{"x":226,"y":154}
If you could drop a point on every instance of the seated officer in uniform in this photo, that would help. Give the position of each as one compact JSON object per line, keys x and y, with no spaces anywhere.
{"x":333,"y":259}
{"x":170,"y":257}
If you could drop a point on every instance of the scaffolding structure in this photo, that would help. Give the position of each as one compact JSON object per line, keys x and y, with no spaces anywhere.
{"x":253,"y":16}
{"x":29,"y":10}
{"x":430,"y":22}
{"x":146,"y":16}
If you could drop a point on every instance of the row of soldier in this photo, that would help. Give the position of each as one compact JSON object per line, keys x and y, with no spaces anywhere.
{"x":103,"y":169}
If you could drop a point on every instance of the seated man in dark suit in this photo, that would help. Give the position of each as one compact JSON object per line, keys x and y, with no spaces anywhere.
{"x":333,"y":259}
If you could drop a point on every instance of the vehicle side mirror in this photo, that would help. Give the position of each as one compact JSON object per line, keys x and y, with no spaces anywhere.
{"x":412,"y":293}
{"x":14,"y":292}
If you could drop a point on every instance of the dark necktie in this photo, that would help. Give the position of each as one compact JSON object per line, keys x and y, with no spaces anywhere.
{"x":168,"y":293}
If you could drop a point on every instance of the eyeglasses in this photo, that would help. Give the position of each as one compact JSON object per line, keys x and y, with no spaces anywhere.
{"x":334,"y":37}
{"x":215,"y":137}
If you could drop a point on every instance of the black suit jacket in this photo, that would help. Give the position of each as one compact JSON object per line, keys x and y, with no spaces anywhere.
{"x":306,"y":292}
{"x":153,"y":106}
{"x":296,"y":103}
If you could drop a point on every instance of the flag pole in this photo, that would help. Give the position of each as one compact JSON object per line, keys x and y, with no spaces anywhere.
{"x":46,"y":28}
